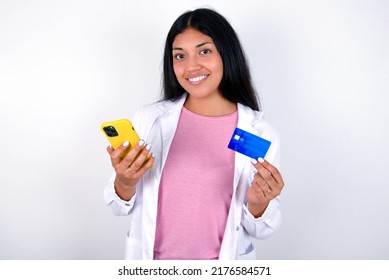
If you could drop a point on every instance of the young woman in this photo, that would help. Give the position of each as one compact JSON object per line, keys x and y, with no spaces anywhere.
{"x":195,"y":198}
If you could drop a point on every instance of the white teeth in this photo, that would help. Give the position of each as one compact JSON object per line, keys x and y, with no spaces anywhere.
{"x":197,"y":79}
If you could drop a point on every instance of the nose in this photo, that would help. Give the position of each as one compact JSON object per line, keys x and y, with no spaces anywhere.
{"x":192,"y":64}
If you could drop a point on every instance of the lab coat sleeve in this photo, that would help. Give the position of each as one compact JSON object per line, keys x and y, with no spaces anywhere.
{"x":118,"y":206}
{"x":269,"y":222}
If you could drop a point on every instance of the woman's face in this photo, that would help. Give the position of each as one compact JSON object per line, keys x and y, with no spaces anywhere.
{"x":197,"y":63}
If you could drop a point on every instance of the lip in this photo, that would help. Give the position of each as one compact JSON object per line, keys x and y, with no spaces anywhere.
{"x":195,"y":80}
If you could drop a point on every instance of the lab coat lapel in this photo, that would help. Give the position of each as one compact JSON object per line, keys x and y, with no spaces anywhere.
{"x":169,"y":122}
{"x":246,"y":121}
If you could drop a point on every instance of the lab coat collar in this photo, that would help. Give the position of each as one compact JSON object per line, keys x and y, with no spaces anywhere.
{"x":248,"y":117}
{"x":172,"y":106}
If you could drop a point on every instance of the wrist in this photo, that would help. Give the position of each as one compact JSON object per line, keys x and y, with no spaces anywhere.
{"x":125,"y":192}
{"x":256,"y":209}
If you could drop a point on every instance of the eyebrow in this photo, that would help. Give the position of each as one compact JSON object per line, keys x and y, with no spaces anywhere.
{"x":197,"y":46}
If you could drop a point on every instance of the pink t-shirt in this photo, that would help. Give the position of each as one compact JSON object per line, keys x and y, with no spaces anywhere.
{"x":196,"y":188}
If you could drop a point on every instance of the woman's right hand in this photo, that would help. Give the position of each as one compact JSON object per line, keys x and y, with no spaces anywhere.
{"x":131,"y":168}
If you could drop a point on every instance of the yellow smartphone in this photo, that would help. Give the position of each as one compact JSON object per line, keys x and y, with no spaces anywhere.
{"x":119,"y":131}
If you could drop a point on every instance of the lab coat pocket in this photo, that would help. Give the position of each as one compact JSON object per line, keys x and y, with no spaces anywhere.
{"x":249,"y":254}
{"x":133,"y":248}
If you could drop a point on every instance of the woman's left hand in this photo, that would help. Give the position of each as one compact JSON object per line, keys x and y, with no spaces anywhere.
{"x":267,"y":184}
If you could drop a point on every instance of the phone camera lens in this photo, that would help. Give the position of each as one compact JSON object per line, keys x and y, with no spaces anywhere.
{"x":110,"y":131}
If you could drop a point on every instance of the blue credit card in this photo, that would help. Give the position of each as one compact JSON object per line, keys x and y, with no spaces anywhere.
{"x":248,"y":144}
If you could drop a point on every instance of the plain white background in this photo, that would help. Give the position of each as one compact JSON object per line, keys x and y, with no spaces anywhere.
{"x":321,"y":68}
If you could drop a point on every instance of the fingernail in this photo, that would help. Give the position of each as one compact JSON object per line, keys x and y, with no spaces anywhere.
{"x":253,"y":161}
{"x":261,"y":160}
{"x":141,"y":143}
{"x":125,"y":144}
{"x":148,"y":147}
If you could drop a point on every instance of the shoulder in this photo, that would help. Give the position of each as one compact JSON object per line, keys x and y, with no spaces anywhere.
{"x":160,"y":107}
{"x":149,"y":114}
{"x":146,"y":114}
{"x":147,"y":109}
{"x":257,"y":121}
{"x":266,"y":126}
{"x":150,"y":110}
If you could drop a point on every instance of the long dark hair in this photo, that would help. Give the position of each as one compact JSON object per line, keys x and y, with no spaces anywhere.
{"x":236,"y":84}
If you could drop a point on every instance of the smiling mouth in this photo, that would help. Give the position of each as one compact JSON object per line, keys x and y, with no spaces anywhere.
{"x":197,"y":79}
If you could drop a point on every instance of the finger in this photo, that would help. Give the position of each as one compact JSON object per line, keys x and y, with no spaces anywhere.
{"x":268,"y":171}
{"x":131,"y":155}
{"x":267,"y":176}
{"x":141,"y":158}
{"x":262,"y":185}
{"x":256,"y":198}
{"x":256,"y":194}
{"x":258,"y":181}
{"x":136,"y":175}
{"x":274,"y":171}
{"x":268,"y":192}
{"x":115,"y":153}
{"x":109,"y":149}
{"x":148,"y":165}
{"x":271,"y":188}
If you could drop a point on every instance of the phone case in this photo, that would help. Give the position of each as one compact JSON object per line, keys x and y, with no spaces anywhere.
{"x":119,"y":131}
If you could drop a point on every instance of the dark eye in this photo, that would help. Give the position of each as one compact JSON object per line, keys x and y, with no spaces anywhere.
{"x":206,"y":51}
{"x":179,"y":56}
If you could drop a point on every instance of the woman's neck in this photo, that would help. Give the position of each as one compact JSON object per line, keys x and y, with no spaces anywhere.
{"x":212,"y":107}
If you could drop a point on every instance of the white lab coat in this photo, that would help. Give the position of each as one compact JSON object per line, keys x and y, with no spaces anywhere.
{"x":156,"y":124}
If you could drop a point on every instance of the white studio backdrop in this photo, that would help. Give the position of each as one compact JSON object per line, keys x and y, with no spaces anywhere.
{"x":321,"y":68}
